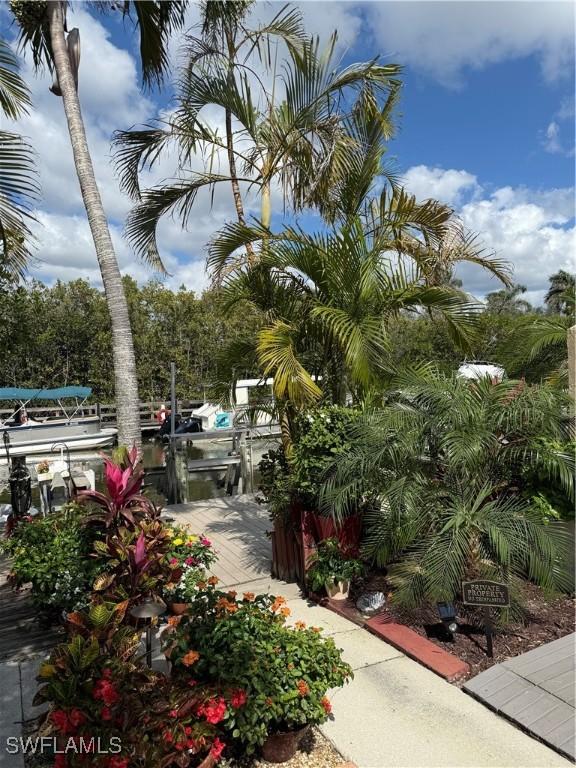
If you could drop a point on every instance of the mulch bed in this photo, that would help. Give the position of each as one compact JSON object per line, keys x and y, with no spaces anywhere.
{"x":545,"y":620}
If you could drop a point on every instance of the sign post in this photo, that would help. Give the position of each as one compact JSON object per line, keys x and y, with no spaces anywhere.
{"x":488,"y":594}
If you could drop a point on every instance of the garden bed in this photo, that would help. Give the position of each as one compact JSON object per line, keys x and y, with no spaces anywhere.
{"x":547,"y":620}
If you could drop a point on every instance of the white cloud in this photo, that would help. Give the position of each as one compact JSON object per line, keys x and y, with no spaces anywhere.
{"x":532,"y":229}
{"x":443,"y":39}
{"x":450,"y":186}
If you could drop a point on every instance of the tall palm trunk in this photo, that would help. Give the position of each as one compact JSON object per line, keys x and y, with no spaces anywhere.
{"x":125,"y":379}
{"x":230,"y":148}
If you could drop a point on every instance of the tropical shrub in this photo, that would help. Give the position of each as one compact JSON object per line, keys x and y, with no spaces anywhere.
{"x":280,"y":674}
{"x":321,"y":436}
{"x":102,"y":701}
{"x":442,"y":468}
{"x":52,"y":554}
{"x":134,"y":561}
{"x":328,"y":565}
{"x":123,"y":504}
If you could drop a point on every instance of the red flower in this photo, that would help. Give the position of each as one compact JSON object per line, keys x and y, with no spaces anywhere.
{"x":106,"y":713}
{"x":167,"y":736}
{"x":118,"y":762}
{"x":325,"y":701}
{"x":214,"y":711}
{"x":60,"y":720}
{"x":188,"y":730}
{"x":76,"y":717}
{"x":238,"y":698}
{"x":105,"y":691}
{"x":217,"y":748}
{"x":173,"y":713}
{"x":107,"y":673}
{"x":61,"y":761}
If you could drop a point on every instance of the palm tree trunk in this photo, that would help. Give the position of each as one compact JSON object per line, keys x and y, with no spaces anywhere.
{"x":230,"y":148}
{"x":125,"y":378}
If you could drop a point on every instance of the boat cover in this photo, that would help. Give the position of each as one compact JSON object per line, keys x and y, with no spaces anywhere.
{"x":18,"y":393}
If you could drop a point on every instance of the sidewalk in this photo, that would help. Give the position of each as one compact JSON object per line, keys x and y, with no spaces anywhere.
{"x":397,"y":714}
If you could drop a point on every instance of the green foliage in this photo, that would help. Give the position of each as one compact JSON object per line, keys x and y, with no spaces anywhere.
{"x":276,"y":484}
{"x":61,"y":334}
{"x":99,"y":691}
{"x":321,"y":435}
{"x":284,"y":672}
{"x":52,"y":553}
{"x":329,"y":566}
{"x":445,"y":464}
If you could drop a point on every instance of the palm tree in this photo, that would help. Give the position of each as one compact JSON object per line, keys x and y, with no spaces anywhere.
{"x":441,"y":472}
{"x":293,"y":131}
{"x":508,"y":301}
{"x":18,"y":182}
{"x":560,"y":296}
{"x":43,"y":28}
{"x":330,"y":296}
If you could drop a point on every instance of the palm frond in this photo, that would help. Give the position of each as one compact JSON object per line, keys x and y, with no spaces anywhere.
{"x":14,"y":93}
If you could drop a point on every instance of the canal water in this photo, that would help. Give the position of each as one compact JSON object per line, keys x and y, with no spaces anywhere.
{"x":206,"y":484}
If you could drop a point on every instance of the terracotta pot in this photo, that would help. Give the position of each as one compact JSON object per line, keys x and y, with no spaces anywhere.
{"x":281,"y":747}
{"x":337,"y":590}
{"x":177,"y":609}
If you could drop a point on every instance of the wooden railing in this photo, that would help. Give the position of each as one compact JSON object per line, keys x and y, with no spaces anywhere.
{"x":107,"y":411}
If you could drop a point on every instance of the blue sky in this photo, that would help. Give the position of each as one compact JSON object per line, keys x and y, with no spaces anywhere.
{"x":486,"y":124}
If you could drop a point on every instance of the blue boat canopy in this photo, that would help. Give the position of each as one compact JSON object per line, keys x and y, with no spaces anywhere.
{"x":18,"y":393}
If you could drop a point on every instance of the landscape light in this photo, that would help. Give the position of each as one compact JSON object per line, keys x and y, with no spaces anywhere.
{"x":148,"y":609}
{"x":447,"y":614}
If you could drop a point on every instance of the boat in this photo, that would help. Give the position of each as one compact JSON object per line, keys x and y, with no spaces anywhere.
{"x":22,"y":436}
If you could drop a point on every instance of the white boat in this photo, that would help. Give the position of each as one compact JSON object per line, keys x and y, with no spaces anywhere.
{"x":22,"y":436}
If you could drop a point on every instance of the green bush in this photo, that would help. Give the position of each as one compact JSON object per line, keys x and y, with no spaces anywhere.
{"x":281,"y":674}
{"x":53,"y":554}
{"x":322,"y":435}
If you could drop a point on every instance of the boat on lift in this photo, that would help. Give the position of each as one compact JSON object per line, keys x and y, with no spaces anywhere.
{"x":23,"y":436}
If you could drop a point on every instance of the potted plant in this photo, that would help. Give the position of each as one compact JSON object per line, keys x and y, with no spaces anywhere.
{"x":329,"y":569}
{"x":280,"y":675}
{"x":188,"y":557}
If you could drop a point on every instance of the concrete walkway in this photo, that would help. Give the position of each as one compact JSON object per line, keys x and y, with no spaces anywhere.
{"x":395,"y":713}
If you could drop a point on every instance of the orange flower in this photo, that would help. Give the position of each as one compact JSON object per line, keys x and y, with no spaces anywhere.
{"x":303,"y":687}
{"x":315,"y":629}
{"x":201,"y":584}
{"x":278,"y":601}
{"x":300,"y":625}
{"x":232,"y":594}
{"x":285,"y":611}
{"x":325,"y":701}
{"x":268,"y":702}
{"x":190,"y":658}
{"x":173,"y":621}
{"x":213,"y":580}
{"x":249,"y":596}
{"x":224,"y":604}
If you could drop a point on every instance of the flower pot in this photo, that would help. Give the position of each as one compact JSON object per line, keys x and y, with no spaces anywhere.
{"x":337,"y":590}
{"x":281,"y":747}
{"x":177,"y":609}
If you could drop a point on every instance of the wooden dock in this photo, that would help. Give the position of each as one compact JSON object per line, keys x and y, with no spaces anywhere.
{"x":238,"y":528}
{"x":21,"y":637}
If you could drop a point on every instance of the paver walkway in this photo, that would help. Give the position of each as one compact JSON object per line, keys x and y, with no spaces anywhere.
{"x":535,"y":690}
{"x":395,"y":713}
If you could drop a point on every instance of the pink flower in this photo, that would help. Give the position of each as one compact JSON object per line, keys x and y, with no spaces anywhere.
{"x":76,"y":717}
{"x":173,"y":561}
{"x":217,"y":748}
{"x":205,"y":542}
{"x":190,"y":561}
{"x":173,"y":713}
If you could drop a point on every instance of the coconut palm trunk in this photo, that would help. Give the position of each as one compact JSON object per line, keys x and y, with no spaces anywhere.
{"x":125,"y":378}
